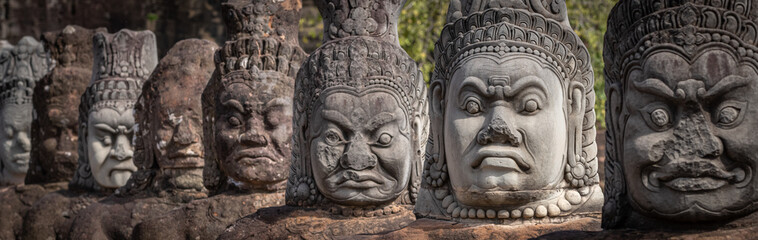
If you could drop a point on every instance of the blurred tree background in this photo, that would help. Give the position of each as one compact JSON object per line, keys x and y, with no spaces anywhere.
{"x":422,"y":20}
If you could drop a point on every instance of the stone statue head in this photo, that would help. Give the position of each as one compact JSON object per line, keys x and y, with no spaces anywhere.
{"x":248,"y":103}
{"x":512,"y":119}
{"x":168,"y":144}
{"x":360,"y":113}
{"x":22,"y":66}
{"x":55,"y":128}
{"x":122,"y":63}
{"x":680,"y":82}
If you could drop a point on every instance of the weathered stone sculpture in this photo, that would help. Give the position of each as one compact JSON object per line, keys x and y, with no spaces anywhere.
{"x":248,"y":122}
{"x":168,"y":146}
{"x":22,"y":66}
{"x":121,"y":63}
{"x":512,"y":122}
{"x":680,"y":81}
{"x":360,"y":127}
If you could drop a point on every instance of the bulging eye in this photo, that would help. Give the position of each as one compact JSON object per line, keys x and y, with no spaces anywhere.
{"x":332,"y":137}
{"x":234,"y":122}
{"x":728,"y":115}
{"x":660,"y":117}
{"x":473,"y":106}
{"x":531,"y":106}
{"x":107,"y":141}
{"x":385,"y":139}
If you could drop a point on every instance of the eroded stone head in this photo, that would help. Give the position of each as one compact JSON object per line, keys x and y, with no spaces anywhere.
{"x":55,"y":129}
{"x":360,"y":113}
{"x":680,"y":97}
{"x":248,"y":103}
{"x":512,"y":120}
{"x":169,"y":151}
{"x":122,"y":62}
{"x":22,"y":67}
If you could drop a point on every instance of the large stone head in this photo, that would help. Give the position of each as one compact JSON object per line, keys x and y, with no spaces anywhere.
{"x":168,"y":143}
{"x":512,"y":121}
{"x":681,"y":87}
{"x":55,"y":127}
{"x":360,"y":114}
{"x":22,"y":67}
{"x":248,"y":103}
{"x":122,"y":63}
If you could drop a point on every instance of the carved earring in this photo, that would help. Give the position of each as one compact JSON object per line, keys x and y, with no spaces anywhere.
{"x":577,"y":169}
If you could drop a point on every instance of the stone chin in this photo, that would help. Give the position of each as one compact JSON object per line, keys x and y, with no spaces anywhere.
{"x":477,"y":197}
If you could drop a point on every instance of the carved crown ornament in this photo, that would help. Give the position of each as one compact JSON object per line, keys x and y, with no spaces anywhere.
{"x":21,"y":67}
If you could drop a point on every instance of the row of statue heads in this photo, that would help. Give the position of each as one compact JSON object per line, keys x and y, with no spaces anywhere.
{"x":504,"y":132}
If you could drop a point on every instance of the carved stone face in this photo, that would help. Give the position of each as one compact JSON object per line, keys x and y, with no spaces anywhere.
{"x":109,"y":146}
{"x":178,"y":129}
{"x":361,"y":147}
{"x":15,"y":138}
{"x":60,"y":131}
{"x":253,"y":133}
{"x":505,"y":130}
{"x":688,"y":140}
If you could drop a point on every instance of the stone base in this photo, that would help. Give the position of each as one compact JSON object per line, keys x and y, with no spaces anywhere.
{"x":15,"y":201}
{"x":52,"y":216}
{"x":440,"y":229}
{"x":205,"y":218}
{"x":299,"y":223}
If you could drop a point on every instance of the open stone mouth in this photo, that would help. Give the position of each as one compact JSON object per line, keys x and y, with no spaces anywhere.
{"x":693,"y":176}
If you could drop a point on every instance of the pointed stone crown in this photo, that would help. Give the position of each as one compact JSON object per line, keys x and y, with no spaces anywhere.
{"x":21,"y":67}
{"x":372,"y":18}
{"x":262,"y":18}
{"x":72,"y":46}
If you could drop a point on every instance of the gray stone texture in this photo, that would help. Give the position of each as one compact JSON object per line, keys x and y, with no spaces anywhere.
{"x":248,"y":122}
{"x":360,"y":126}
{"x":680,"y":83}
{"x":512,"y":118}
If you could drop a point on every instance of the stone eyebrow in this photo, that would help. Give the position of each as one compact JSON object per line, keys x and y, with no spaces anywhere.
{"x":234,"y":104}
{"x":337,"y":118}
{"x":380,"y":119}
{"x":474,"y":83}
{"x":528,"y":81}
{"x":726,"y":84}
{"x":656,"y":87}
{"x":104,"y":127}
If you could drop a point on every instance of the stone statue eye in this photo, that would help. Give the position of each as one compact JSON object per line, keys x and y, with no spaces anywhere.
{"x":473,"y":106}
{"x":332,"y":137}
{"x":106,"y":141}
{"x":660,"y":117}
{"x":385,"y":139}
{"x":234,"y":122}
{"x":729,"y":114}
{"x":531,"y":106}
{"x":657,"y":116}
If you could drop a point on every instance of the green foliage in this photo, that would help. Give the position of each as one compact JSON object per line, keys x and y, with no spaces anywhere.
{"x":152,"y":17}
{"x":589,"y":19}
{"x":420,"y":25}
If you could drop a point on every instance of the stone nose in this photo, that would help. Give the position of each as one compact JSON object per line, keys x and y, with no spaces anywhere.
{"x":253,"y":138}
{"x":696,"y":137}
{"x":498,"y":131}
{"x":184,"y":134}
{"x":358,"y":156}
{"x":23,"y":141}
{"x":122,"y":148}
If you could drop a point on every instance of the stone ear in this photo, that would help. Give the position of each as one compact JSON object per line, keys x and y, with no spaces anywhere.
{"x":437,"y":103}
{"x":576,"y":113}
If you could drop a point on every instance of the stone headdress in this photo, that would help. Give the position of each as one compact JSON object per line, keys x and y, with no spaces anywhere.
{"x":500,"y":28}
{"x":263,"y":45}
{"x":639,"y":28}
{"x":361,"y":51}
{"x":122,"y":63}
{"x":71,"y":48}
{"x":21,"y":67}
